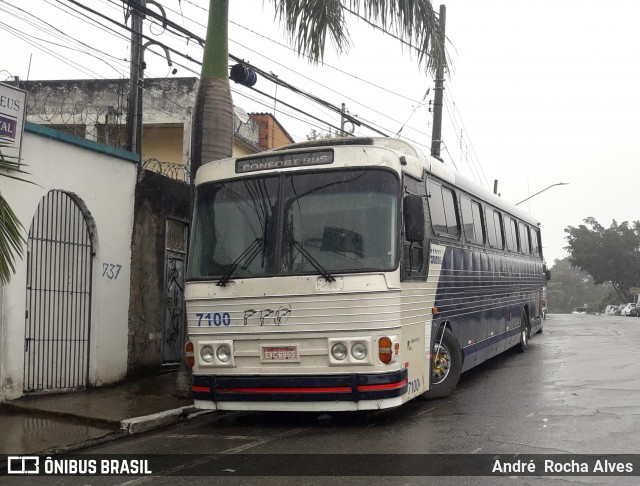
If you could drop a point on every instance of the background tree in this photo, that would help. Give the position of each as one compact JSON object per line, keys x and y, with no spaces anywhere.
{"x":571,"y":287}
{"x":307,"y":23}
{"x":322,"y":134}
{"x":607,"y":254}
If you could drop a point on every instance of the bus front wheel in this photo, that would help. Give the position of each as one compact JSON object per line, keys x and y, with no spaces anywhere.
{"x":446,"y":366}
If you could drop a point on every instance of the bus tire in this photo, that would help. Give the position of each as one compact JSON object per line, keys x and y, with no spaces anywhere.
{"x":446,"y":366}
{"x":525,"y":332}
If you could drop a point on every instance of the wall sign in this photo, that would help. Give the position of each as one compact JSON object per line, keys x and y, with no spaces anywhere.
{"x":13,"y":103}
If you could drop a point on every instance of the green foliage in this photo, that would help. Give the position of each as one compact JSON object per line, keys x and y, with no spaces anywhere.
{"x":607,"y":254}
{"x":11,"y":230}
{"x":308,"y":23}
{"x":322,"y":135}
{"x":571,"y":287}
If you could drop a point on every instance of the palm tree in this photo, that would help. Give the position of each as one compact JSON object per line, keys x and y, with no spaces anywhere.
{"x":307,"y":24}
{"x":11,"y":230}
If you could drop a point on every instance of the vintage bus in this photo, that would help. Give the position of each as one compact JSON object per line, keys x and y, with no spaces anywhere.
{"x":351,"y":274}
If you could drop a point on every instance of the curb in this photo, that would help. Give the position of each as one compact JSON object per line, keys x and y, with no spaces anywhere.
{"x":147,"y":422}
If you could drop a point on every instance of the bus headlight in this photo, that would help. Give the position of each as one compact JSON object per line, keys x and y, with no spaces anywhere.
{"x":223,"y":353}
{"x":350,"y":351}
{"x":216,"y":353}
{"x":206,"y":353}
{"x":339,"y":351}
{"x":359,"y":351}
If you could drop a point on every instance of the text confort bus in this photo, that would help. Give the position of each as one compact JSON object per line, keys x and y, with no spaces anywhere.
{"x":351,"y":274}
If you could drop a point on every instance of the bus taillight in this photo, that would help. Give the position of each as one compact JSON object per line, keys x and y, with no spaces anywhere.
{"x":188,"y":353}
{"x":385,"y":352}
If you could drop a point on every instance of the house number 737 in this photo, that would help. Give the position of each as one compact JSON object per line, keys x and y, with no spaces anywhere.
{"x":110,"y":270}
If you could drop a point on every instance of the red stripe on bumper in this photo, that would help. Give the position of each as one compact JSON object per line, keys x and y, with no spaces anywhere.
{"x":337,"y":389}
{"x":205,"y":389}
{"x":387,"y":386}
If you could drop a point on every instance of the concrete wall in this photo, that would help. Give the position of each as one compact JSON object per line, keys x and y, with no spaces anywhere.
{"x":91,"y":108}
{"x":158,"y":198}
{"x":96,"y":110}
{"x":102,"y":179}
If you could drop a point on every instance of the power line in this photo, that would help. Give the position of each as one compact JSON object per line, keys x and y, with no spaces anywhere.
{"x":315,"y":99}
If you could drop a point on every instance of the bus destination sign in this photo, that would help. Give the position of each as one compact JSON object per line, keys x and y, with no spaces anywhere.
{"x":283,"y":161}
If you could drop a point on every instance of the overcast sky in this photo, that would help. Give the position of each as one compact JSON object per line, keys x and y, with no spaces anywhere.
{"x":540,"y":92}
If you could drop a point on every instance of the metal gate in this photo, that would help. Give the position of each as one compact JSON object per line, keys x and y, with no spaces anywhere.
{"x":175,"y":253}
{"x":58,"y":314}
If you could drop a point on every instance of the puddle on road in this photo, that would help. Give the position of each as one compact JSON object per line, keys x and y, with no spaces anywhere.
{"x":26,"y":434}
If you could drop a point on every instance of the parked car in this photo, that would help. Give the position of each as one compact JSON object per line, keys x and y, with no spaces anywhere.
{"x":628,"y":309}
{"x":610,"y":310}
{"x":579,"y":310}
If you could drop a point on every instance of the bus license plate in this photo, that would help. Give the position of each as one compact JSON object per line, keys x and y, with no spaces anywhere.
{"x":280,"y":353}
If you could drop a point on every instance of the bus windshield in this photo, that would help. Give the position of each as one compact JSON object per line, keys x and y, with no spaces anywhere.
{"x":296,"y":224}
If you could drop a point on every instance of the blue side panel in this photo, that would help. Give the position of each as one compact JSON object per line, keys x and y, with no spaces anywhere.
{"x":481,"y":295}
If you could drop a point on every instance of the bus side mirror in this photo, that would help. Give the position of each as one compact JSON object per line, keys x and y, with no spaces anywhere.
{"x":548,"y":275}
{"x":413,"y":212}
{"x":547,"y":272}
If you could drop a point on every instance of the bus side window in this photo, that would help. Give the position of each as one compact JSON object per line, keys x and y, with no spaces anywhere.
{"x":472,"y":220}
{"x":442,"y":209}
{"x":510,"y":234}
{"x":525,"y":246}
{"x":535,"y":242}
{"x":494,"y":228}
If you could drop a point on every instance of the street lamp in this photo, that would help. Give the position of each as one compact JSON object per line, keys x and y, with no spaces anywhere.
{"x":539,"y":192}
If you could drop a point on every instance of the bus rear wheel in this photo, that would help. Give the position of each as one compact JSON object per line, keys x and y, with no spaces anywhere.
{"x":446,"y":366}
{"x":525,"y":332}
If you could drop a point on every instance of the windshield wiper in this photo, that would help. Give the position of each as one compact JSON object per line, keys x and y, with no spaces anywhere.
{"x":246,"y":257}
{"x":315,"y":263}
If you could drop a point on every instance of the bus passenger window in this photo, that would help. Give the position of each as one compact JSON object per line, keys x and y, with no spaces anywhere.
{"x":494,"y":228}
{"x":472,"y":220}
{"x":524,"y":239}
{"x":511,"y":235}
{"x":442,"y":210}
{"x":535,"y":245}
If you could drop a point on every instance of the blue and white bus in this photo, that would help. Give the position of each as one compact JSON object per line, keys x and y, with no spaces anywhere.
{"x":351,"y":274}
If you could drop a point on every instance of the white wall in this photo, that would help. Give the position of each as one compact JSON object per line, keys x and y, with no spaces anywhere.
{"x":103,"y":179}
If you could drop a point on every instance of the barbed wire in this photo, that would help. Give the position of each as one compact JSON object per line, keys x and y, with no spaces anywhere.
{"x":180,"y":172}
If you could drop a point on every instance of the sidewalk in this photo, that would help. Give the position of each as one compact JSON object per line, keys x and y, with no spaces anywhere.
{"x":70,"y":421}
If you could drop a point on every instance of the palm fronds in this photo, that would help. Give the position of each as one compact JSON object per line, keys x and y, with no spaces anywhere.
{"x":12,"y":238}
{"x":308,"y":23}
{"x":11,"y":241}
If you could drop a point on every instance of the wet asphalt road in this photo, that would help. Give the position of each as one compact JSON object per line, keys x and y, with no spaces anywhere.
{"x":576,"y":391}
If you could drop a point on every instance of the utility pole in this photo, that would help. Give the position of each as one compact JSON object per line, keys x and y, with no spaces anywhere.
{"x":344,"y":119}
{"x":436,"y":132}
{"x":134,"y":108}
